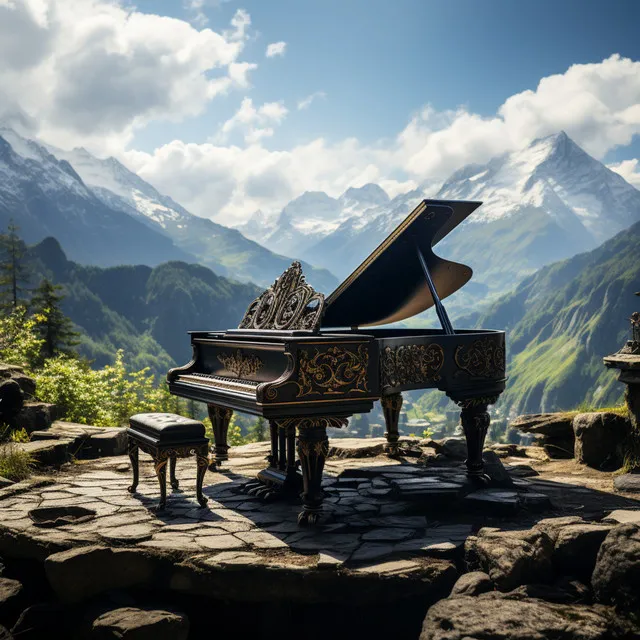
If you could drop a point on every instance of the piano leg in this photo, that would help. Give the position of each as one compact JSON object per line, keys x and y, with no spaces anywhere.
{"x":313,"y":447}
{"x":475,"y":421}
{"x":281,"y":477}
{"x":391,"y":406}
{"x":220,"y":418}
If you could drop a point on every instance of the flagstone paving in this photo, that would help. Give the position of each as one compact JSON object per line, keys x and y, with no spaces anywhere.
{"x":378,"y":510}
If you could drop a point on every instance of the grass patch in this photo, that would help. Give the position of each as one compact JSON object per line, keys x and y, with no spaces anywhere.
{"x":15,"y":464}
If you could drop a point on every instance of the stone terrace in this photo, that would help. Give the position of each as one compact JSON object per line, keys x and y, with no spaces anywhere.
{"x":395,"y":530}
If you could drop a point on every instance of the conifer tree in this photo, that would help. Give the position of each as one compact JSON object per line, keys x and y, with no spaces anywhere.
{"x":13,"y":272}
{"x":54,"y":328}
{"x":257,"y":432}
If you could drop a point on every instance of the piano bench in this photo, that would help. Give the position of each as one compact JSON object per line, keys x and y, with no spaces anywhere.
{"x":166,"y":437}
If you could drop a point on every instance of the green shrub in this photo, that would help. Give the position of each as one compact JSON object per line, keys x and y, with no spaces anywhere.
{"x":15,"y":464}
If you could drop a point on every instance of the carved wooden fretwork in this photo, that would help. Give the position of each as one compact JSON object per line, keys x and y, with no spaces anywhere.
{"x":288,"y":304}
{"x":411,"y":364}
{"x":483,"y":358}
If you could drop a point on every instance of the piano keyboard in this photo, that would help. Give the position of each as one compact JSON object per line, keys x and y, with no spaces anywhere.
{"x":220,"y":382}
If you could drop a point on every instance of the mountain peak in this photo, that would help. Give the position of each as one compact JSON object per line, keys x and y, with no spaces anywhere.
{"x":369,"y":193}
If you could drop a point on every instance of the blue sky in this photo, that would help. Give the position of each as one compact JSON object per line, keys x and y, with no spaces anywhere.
{"x":406,"y":91}
{"x":378,"y":61}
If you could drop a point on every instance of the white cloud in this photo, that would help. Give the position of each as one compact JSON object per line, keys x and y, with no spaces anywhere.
{"x":305,"y":103}
{"x":92,"y":71}
{"x":598,"y":105}
{"x":276,"y":49}
{"x":254,"y":124}
{"x":629,"y":170}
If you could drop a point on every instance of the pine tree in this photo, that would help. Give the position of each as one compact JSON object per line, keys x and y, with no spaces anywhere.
{"x":53,"y":326}
{"x":13,"y":272}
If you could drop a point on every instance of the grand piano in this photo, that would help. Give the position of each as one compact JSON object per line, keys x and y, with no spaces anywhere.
{"x":307,"y":362}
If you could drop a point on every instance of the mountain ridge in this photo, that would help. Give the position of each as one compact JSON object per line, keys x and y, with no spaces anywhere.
{"x":104,"y":214}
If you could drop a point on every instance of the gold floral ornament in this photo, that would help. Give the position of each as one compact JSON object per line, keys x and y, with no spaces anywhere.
{"x":288,"y":304}
{"x":334,"y":371}
{"x":239,"y":364}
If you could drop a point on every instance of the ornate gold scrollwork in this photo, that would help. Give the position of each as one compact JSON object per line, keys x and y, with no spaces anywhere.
{"x":336,"y":370}
{"x":411,"y":364}
{"x":484,"y":358}
{"x":319,"y":448}
{"x":239,"y":364}
{"x":313,"y":423}
{"x":289,"y":303}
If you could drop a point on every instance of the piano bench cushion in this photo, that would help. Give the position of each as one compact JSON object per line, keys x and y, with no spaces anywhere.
{"x":167,"y":427}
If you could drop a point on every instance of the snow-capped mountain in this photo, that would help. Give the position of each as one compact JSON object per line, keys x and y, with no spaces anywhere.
{"x":45,"y":196}
{"x":314,"y":215}
{"x":545,"y":202}
{"x":118,"y":218}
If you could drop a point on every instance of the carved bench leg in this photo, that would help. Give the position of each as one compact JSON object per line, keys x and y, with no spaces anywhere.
{"x":160,"y":465}
{"x":134,"y":457}
{"x":175,"y":485}
{"x":202,"y":459}
{"x":220,"y":418}
{"x":391,"y":406}
{"x":313,"y":447}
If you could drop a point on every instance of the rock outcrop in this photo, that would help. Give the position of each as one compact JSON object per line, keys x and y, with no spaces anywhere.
{"x":498,"y":617}
{"x":600,"y":438}
{"x":552,"y":431}
{"x":616,"y":577}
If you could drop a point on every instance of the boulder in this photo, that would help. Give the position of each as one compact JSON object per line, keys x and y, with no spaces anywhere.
{"x":11,"y":599}
{"x":554,"y":425}
{"x":599,"y":439}
{"x":455,"y":448}
{"x":129,"y":623}
{"x":511,"y":558}
{"x":494,"y":468}
{"x":27,"y":384}
{"x":48,"y":452}
{"x":11,"y":399}
{"x":616,"y":577}
{"x":34,"y":416}
{"x":553,"y":432}
{"x":88,"y":441}
{"x":472,"y":584}
{"x":627,"y":482}
{"x":492,"y":617}
{"x":576,"y":543}
{"x":81,"y":573}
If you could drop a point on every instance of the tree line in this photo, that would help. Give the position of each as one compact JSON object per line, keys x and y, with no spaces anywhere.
{"x":53,"y":327}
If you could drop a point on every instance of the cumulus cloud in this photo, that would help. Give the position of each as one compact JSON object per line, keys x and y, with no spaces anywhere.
{"x":254,"y":123}
{"x":305,"y":103}
{"x":276,"y":49}
{"x":598,"y":105}
{"x":92,"y":71}
{"x":629,"y":170}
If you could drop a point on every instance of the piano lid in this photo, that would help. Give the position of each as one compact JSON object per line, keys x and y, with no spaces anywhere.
{"x":390,"y":285}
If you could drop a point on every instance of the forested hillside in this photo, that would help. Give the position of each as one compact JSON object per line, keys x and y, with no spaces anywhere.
{"x":145,"y":311}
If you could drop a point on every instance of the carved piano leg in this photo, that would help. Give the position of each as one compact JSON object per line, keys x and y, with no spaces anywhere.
{"x":273,"y":430}
{"x":292,"y":469}
{"x":173,"y":481}
{"x":203,"y":463}
{"x":220,"y":418}
{"x":313,"y":447}
{"x":391,"y":406}
{"x":160,"y":466}
{"x":134,"y":456}
{"x":475,"y":421}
